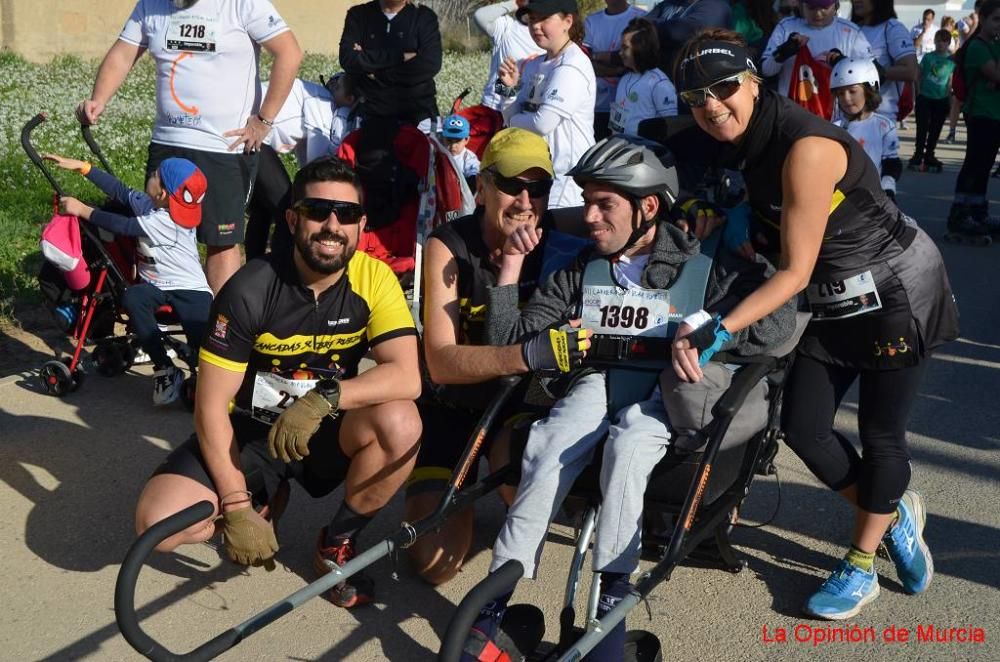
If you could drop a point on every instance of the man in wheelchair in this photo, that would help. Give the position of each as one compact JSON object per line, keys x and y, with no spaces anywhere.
{"x":646,"y":281}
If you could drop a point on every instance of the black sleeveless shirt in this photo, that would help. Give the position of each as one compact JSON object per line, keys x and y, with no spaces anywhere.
{"x":476,"y":274}
{"x":864,"y":226}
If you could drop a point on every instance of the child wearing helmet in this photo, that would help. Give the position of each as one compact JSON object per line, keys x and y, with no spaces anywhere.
{"x":855,"y":84}
{"x":455,"y":132}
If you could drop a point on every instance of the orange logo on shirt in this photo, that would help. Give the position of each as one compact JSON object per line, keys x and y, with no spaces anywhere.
{"x":190,"y":110}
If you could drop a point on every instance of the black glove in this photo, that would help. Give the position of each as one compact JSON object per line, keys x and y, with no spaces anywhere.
{"x":834,"y":56}
{"x":890,"y":194}
{"x":554,"y":349}
{"x":787,"y":49}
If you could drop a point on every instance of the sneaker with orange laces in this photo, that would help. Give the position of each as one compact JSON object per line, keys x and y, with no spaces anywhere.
{"x":353,"y":592}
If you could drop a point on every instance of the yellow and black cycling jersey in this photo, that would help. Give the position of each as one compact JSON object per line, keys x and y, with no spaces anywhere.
{"x":267,"y":324}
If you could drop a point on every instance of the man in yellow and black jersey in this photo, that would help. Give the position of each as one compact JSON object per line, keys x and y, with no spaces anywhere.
{"x":461,"y":265}
{"x":286,"y":335}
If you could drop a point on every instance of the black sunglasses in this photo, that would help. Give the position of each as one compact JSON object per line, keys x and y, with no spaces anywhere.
{"x":538,"y":188}
{"x":319,"y":209}
{"x":720,"y":90}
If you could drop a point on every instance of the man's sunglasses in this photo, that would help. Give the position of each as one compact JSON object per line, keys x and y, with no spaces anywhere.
{"x":720,"y":90}
{"x":319,"y":209}
{"x":512,"y":186}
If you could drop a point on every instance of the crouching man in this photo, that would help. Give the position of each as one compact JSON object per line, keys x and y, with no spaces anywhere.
{"x":285,"y":339}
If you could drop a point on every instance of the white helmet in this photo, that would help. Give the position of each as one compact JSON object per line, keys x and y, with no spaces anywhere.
{"x":854,"y":71}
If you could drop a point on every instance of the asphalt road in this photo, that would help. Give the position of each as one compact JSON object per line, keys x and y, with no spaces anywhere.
{"x":71,"y":470}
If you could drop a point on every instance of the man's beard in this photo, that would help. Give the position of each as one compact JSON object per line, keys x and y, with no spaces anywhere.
{"x":323,"y":264}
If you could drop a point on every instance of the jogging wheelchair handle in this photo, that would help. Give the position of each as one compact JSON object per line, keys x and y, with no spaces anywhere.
{"x":454,"y":500}
{"x":496,"y":584}
{"x":128,"y":620}
{"x":32,"y":153}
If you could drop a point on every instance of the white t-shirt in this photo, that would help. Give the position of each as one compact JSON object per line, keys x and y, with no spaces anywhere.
{"x":890,"y":41}
{"x":511,"y":38}
{"x":640,"y":97}
{"x":841,"y":34}
{"x":309,"y":124}
{"x":926,"y":44}
{"x":207,"y":69}
{"x":628,"y":270}
{"x":877,"y":135}
{"x":556,"y":101}
{"x":167,"y":256}
{"x":603,"y":32}
{"x":467,"y":162}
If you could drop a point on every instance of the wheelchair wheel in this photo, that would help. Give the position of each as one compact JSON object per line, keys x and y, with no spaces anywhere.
{"x":57,"y":378}
{"x":113,"y":356}
{"x":187,"y":392}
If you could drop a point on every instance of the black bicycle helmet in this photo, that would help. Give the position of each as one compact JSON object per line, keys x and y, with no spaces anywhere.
{"x":631,"y":165}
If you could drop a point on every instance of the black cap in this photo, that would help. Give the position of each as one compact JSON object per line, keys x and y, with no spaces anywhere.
{"x":547,"y":8}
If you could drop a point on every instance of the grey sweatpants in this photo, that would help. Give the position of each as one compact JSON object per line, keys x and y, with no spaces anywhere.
{"x":559,"y":448}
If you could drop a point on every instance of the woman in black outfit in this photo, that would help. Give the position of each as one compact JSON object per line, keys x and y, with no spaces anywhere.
{"x":878,"y":293}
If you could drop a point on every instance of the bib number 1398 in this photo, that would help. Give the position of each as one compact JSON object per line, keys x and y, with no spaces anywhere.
{"x":624,"y":317}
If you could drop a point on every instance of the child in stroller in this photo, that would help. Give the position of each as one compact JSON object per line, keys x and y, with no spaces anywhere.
{"x":169,"y":269}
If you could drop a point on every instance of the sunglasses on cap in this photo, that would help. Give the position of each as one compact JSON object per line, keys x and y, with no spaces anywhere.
{"x":720,"y":90}
{"x":319,"y":209}
{"x":512,"y":186}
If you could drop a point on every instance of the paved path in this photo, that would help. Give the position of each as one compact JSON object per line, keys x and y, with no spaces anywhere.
{"x":71,"y":471}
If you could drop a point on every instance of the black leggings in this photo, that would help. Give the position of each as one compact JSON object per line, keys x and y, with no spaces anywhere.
{"x":272,"y":193}
{"x":980,"y":151}
{"x":813,"y":394}
{"x":931,"y":114}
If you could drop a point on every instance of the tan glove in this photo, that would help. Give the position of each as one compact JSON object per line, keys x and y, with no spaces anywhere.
{"x":289,"y":436}
{"x":249,"y":538}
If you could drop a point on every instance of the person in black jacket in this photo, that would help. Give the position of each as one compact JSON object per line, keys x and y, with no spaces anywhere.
{"x":392,"y":51}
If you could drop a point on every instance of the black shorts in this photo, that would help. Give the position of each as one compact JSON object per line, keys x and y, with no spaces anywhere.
{"x":230,"y":182}
{"x":320,"y":473}
{"x":446,"y":434}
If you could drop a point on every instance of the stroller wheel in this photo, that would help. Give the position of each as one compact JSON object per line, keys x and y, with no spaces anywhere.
{"x":187,"y":392}
{"x":57,"y":378}
{"x":113,"y":356}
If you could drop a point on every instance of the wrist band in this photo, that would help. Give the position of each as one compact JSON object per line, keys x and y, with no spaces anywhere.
{"x":264,"y":121}
{"x":247,"y":493}
{"x":85,"y":168}
{"x":694,"y":320}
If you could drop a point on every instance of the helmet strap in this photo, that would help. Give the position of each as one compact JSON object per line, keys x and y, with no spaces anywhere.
{"x":640,"y":227}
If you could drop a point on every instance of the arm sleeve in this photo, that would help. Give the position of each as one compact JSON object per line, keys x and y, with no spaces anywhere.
{"x":551,"y":303}
{"x":427,"y":63}
{"x":768,"y":65}
{"x":132,"y":32}
{"x":261,"y":20}
{"x":486,"y":17}
{"x":137,"y":201}
{"x":665,"y":99}
{"x":560,"y":102}
{"x":232,"y":327}
{"x":735,"y":278}
{"x":354,"y":33}
{"x":389,"y":317}
{"x":898,"y":41}
{"x":117,"y":224}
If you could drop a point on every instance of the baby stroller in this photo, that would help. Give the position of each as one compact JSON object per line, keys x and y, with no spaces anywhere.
{"x":90,"y":313}
{"x":411,"y":186}
{"x":483,"y":122}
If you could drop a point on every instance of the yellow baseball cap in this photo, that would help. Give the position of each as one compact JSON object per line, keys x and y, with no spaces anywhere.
{"x":514,"y":151}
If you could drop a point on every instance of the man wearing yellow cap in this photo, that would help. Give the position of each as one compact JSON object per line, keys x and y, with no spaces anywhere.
{"x":461,"y":264}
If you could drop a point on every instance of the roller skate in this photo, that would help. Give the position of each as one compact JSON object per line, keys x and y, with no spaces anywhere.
{"x":980,"y":214}
{"x":964,"y":229}
{"x":950,"y":139}
{"x":931,"y":164}
{"x":916,"y":164}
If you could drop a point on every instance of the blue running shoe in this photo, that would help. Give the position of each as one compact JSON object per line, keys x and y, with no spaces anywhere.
{"x":844,"y":593}
{"x":905,"y":543}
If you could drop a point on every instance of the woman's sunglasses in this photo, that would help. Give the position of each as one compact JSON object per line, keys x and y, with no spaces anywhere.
{"x":512,"y":186}
{"x":720,"y":91}
{"x":319,"y":209}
